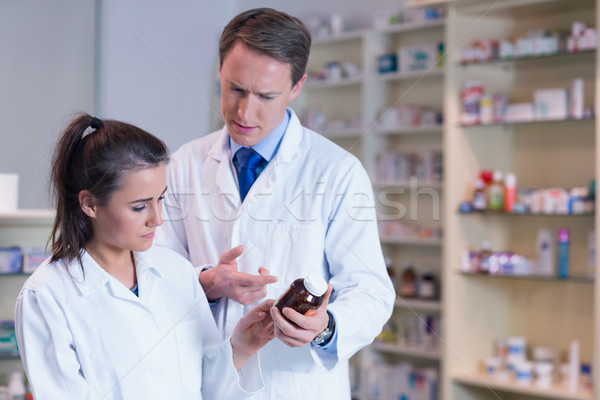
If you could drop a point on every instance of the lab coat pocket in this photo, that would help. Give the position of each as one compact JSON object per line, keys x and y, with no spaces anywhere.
{"x":293,"y":251}
{"x":189,"y":348}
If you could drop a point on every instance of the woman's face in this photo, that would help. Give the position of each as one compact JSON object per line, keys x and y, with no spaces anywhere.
{"x":133,"y":213}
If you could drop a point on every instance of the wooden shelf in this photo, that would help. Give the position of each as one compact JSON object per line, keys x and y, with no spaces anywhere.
{"x":412,"y":26}
{"x":554,"y":392}
{"x":418,"y":304}
{"x":345,"y":133}
{"x":342,"y":37}
{"x":402,"y":76}
{"x":405,"y":351}
{"x":409,"y":130}
{"x":27,"y":217}
{"x":411,"y":241}
{"x":541,"y":58}
{"x":542,"y":278}
{"x":406,"y":185}
{"x":326,"y":84}
{"x":532,"y":123}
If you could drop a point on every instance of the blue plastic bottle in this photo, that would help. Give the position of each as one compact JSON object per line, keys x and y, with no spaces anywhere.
{"x":563,"y":253}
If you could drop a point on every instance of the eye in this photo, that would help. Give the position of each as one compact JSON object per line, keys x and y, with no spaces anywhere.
{"x":161,"y":198}
{"x":139,"y":208}
{"x":266,"y":97}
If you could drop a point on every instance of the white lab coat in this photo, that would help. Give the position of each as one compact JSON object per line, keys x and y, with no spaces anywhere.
{"x":89,"y":337}
{"x":310,"y":210}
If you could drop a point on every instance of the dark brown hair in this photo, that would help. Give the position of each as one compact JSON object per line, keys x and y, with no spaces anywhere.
{"x":272,"y":33}
{"x":93,"y":155}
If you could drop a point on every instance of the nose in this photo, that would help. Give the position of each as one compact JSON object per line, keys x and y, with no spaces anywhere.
{"x":155,"y":216}
{"x":245,"y":108}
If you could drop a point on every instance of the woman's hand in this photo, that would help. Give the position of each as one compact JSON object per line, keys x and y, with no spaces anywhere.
{"x":252,"y":332}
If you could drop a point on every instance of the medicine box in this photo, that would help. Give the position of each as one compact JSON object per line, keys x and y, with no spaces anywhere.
{"x":417,"y":58}
{"x":551,"y":104}
{"x":10,"y":260}
{"x":33,"y":256}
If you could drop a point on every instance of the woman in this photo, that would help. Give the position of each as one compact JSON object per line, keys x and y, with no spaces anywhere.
{"x":108,"y":316}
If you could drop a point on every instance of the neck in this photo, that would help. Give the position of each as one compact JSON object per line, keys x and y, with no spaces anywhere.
{"x":119,"y":263}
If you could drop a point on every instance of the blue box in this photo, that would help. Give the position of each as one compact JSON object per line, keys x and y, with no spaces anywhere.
{"x":11,"y":260}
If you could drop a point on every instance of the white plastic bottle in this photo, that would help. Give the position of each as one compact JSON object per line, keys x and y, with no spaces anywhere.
{"x":545,"y":253}
{"x":16,"y":386}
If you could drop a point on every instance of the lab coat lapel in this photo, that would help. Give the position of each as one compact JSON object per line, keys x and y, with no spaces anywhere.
{"x":226,"y":185}
{"x":288,"y":151}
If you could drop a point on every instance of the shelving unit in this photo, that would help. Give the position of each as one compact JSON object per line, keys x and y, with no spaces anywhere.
{"x":479,"y":309}
{"x":19,"y":228}
{"x":355,"y":106}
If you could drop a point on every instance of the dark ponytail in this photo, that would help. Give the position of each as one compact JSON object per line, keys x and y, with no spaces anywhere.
{"x":93,"y":155}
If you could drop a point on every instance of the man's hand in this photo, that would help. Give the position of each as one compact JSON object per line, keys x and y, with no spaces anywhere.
{"x":252,"y":332}
{"x":224,"y":280}
{"x":298,"y":330}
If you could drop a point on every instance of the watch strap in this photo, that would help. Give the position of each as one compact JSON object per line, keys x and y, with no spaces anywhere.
{"x":325,"y":337}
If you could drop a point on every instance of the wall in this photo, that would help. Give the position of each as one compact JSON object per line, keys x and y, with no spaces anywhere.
{"x":148,"y":62}
{"x":46,"y":73}
{"x":156,"y":62}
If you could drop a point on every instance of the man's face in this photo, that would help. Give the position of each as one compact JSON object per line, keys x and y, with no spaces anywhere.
{"x":255,"y":91}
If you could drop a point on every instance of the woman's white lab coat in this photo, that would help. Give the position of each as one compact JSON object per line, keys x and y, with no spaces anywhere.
{"x":89,"y":337}
{"x":310,"y":210}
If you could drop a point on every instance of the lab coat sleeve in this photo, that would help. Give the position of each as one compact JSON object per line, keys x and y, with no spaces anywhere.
{"x":220,"y":379}
{"x":47,"y":349}
{"x":363,"y":294}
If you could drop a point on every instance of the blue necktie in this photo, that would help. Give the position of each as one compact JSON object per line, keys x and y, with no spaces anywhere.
{"x":248,"y":160}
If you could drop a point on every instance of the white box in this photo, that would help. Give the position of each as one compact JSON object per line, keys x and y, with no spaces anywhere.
{"x":551,"y":104}
{"x":9,"y":192}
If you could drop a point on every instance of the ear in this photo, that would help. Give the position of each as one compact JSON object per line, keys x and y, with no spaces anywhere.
{"x":297,"y":87}
{"x":87,"y":202}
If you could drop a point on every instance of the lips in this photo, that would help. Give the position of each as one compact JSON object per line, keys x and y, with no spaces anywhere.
{"x":243,"y":128}
{"x":149,"y":235}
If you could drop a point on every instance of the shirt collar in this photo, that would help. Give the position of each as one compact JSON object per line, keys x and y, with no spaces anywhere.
{"x":95,"y":276}
{"x":267,"y":147}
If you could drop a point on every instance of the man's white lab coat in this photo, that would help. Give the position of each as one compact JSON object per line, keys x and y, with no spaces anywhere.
{"x":310,"y":210}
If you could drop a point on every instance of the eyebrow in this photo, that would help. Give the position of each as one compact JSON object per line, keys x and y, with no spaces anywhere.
{"x":267,"y":93}
{"x":148,"y":199}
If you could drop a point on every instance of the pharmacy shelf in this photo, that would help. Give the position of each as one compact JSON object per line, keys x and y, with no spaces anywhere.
{"x":541,"y":58}
{"x":412,"y":26}
{"x":530,"y":123}
{"x":327,"y":84}
{"x":418,"y":304}
{"x":528,"y":214}
{"x":554,"y":392}
{"x":27,"y":217}
{"x":345,"y":133}
{"x":539,"y":278}
{"x":334,"y":39}
{"x":404,"y":351}
{"x":402,"y":76}
{"x":411,"y":241}
{"x":416,"y":184}
{"x":409,"y":130}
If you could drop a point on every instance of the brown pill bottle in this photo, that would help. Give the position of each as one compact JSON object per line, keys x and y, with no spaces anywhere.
{"x":303,"y":295}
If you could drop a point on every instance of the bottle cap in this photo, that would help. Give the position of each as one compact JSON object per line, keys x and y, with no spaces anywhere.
{"x":315,"y":284}
{"x":563,"y":235}
{"x":510,"y":180}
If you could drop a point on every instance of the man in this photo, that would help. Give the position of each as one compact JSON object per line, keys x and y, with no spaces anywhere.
{"x":310,"y":209}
